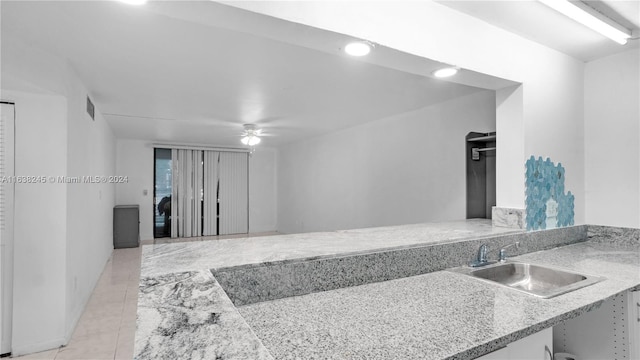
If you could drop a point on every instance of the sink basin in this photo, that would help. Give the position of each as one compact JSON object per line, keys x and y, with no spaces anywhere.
{"x":537,"y":280}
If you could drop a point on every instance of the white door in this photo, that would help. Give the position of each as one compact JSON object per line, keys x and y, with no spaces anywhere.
{"x":7,"y":123}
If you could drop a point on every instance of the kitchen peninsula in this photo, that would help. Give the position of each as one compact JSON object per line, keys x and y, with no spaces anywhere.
{"x":403,"y":305}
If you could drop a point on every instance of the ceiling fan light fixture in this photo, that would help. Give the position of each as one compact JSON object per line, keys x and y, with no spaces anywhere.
{"x":590,"y":19}
{"x":358,"y":48}
{"x":445,"y":72}
{"x":251,"y":135}
{"x":250,"y":140}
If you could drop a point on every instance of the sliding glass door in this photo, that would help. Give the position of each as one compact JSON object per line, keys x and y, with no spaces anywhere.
{"x":162,"y":193}
{"x":201,"y":192}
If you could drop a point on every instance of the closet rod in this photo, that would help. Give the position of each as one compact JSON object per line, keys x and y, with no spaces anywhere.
{"x":486,"y":149}
{"x":482,"y":138}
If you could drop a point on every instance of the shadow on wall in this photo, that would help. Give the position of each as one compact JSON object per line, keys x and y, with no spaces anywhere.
{"x":547,"y":206}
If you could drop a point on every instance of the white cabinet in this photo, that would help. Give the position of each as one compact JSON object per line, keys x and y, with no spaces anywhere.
{"x":603,"y":333}
{"x":633,"y":309}
{"x":537,"y":346}
{"x":501,"y":354}
{"x":610,"y":332}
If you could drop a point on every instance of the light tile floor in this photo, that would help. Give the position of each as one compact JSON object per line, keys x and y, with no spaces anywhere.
{"x":106,"y":329}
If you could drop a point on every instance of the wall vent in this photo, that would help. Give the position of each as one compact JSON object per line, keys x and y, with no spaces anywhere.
{"x":91,"y":110}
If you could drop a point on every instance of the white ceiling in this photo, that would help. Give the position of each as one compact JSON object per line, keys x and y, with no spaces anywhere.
{"x":537,"y":22}
{"x":156,"y":76}
{"x":194,"y":72}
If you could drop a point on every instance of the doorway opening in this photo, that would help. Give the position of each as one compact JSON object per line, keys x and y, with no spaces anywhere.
{"x":481,"y":174}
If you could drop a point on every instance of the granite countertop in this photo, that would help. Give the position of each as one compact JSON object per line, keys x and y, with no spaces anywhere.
{"x":190,"y":256}
{"x":183,"y":311}
{"x":440,"y":315}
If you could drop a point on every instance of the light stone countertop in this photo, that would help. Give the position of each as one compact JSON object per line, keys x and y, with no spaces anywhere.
{"x":184,"y":312}
{"x":187,"y":315}
{"x":440,"y":315}
{"x":168,"y":258}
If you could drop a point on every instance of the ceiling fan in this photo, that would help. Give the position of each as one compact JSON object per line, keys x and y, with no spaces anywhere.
{"x":251,"y":135}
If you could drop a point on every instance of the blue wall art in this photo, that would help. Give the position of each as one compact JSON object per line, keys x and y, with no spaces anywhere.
{"x":547,"y":205}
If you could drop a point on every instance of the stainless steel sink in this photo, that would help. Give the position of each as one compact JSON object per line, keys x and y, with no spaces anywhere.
{"x":537,"y":280}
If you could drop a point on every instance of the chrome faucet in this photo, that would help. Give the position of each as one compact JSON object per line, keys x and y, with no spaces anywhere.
{"x":481,"y":258}
{"x":502,"y":257}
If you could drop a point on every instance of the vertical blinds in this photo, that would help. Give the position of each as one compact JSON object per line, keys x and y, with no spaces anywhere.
{"x":186,"y":193}
{"x":176,"y":191}
{"x":210,"y":218}
{"x":234,"y":212}
{"x":195,"y":200}
{"x":209,"y":193}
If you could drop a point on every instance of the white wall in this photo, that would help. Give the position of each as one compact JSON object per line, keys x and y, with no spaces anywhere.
{"x":134,"y":158}
{"x":263,"y":190}
{"x":554,"y":121}
{"x":510,"y":121}
{"x":91,"y":152}
{"x":612,"y":150}
{"x":407,"y":168}
{"x":552,"y":91}
{"x":40,"y":231}
{"x":60,"y":247}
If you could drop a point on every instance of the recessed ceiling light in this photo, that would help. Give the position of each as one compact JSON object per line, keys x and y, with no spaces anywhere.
{"x":134,"y":2}
{"x":358,"y":48}
{"x":445,"y":72}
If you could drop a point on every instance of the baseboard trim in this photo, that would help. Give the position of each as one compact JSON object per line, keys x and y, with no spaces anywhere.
{"x":36,"y":348}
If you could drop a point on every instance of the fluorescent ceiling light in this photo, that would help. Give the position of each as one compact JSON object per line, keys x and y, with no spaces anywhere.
{"x":445,"y":72}
{"x":590,"y":19}
{"x":134,"y":2}
{"x":358,"y":48}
